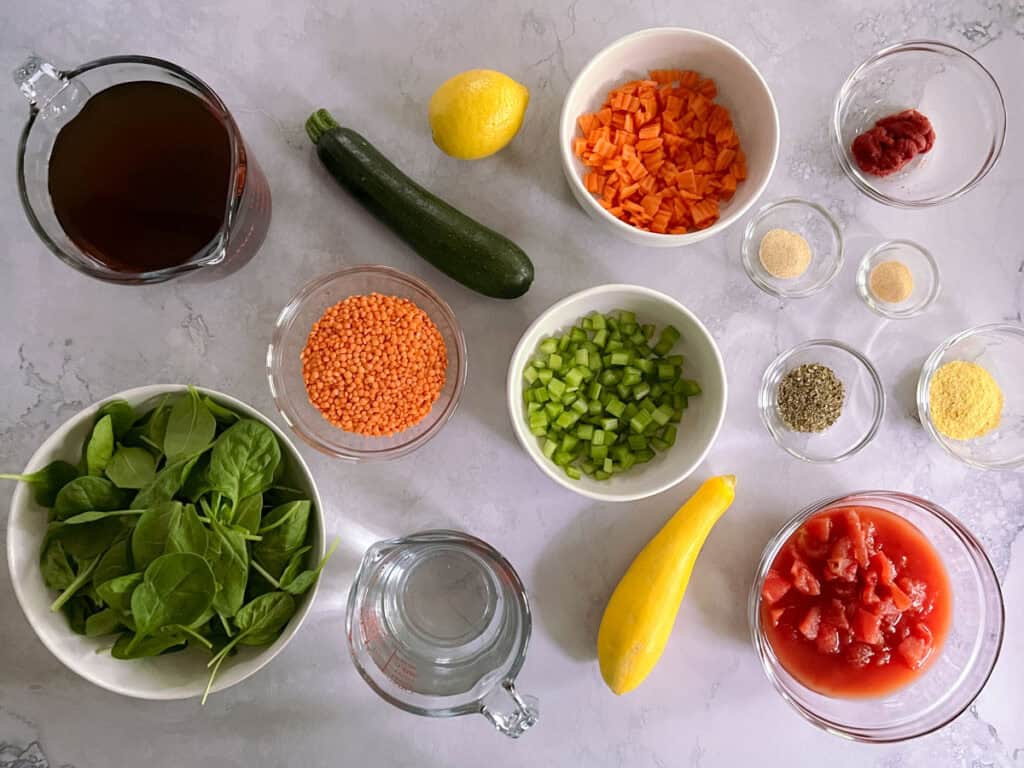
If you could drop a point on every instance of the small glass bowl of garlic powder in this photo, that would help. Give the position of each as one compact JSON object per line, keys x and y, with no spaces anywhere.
{"x":898,"y":279}
{"x":792,"y":248}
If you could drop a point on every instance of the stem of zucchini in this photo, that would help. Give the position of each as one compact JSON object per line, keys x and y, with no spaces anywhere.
{"x":319,"y":123}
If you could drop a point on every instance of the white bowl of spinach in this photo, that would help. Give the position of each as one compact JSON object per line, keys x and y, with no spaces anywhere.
{"x":166,"y":543}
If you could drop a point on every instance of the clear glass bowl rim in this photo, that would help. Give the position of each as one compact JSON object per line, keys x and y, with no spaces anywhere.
{"x":749,"y":258}
{"x":764,"y":398}
{"x":839,"y":150}
{"x":763,"y":648}
{"x":458,"y":356}
{"x":931,"y":364}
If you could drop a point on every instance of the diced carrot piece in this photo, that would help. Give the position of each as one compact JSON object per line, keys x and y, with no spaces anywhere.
{"x":707,"y":88}
{"x":604,"y":116}
{"x":636,"y":169}
{"x":651,"y":131}
{"x":648,"y":145}
{"x":579,"y":146}
{"x":724,"y":160}
{"x":687,"y":181}
{"x":647,"y":183}
{"x":688,"y":78}
{"x":629,"y":191}
{"x":651,"y":204}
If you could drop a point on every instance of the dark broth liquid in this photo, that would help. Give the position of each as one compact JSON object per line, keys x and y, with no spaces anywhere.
{"x":139,"y":178}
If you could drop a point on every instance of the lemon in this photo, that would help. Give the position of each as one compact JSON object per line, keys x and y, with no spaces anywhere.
{"x":476,"y":113}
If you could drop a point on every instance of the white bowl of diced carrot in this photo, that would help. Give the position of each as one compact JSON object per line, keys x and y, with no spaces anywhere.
{"x":668,"y":136}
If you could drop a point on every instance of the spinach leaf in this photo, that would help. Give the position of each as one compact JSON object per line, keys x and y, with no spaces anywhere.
{"x":105,"y":622}
{"x":88,"y":494}
{"x":149,"y":539}
{"x":47,"y":482}
{"x":198,"y":483}
{"x":100,"y":446}
{"x":190,"y":428}
{"x":77,"y":611}
{"x":85,"y":569}
{"x":55,"y":566}
{"x":230,"y":565}
{"x":248,"y":512}
{"x":131,"y":467}
{"x":284,"y":531}
{"x":186,"y":533}
{"x":116,"y":561}
{"x":299,"y":583}
{"x":165,"y":485}
{"x":117,"y":592}
{"x":244,"y":459}
{"x":177,"y":588}
{"x":129,"y":646}
{"x":91,"y":517}
{"x":260,"y":621}
{"x":222,"y":414}
{"x":88,"y":540}
{"x":121,"y":414}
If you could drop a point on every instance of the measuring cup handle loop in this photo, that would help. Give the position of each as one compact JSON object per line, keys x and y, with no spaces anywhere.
{"x":524,"y":715}
{"x":51,"y":93}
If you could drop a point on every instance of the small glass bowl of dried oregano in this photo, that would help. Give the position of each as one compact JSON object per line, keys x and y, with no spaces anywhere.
{"x":821,"y":401}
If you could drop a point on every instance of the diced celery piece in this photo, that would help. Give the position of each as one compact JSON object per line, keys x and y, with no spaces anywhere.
{"x":554,"y":361}
{"x":569,"y":443}
{"x":587,"y":324}
{"x":676,"y":360}
{"x":640,"y":422}
{"x":594,"y":408}
{"x":647,"y":366}
{"x":539,"y":431}
{"x":662,"y":414}
{"x":690,"y":388}
{"x":588,"y":466}
{"x":668,"y":338}
{"x":680,"y":402}
{"x":601,"y":475}
{"x":609,"y":378}
{"x":541,"y":394}
{"x":539,"y":364}
{"x":614,"y":343}
{"x":620,"y":358}
{"x":580,"y":406}
{"x":567,"y":419}
{"x":597,"y":321}
{"x":598,"y":437}
{"x":607,"y":467}
{"x":573,"y":472}
{"x":647,"y":330}
{"x":561,"y":458}
{"x":563,"y":342}
{"x":648,"y":405}
{"x":666,"y":371}
{"x":637,"y":442}
{"x":609,"y":425}
{"x":631,"y":376}
{"x":624,"y":391}
{"x":669,"y":435}
{"x":553,"y":410}
{"x":598,"y":452}
{"x":638,"y":338}
{"x":575,"y":376}
{"x":644,"y":456}
{"x":545,"y":375}
{"x":658,"y":444}
{"x":548,"y":346}
{"x":616,"y":408}
{"x":528,"y":395}
{"x":532,"y":407}
{"x":582,"y":357}
{"x":601,"y":338}
{"x":641,"y":390}
{"x":628,"y":329}
{"x":585,"y":431}
{"x":625,"y":316}
{"x":577,"y":334}
{"x":549,"y":448}
{"x":657,"y":391}
{"x":631,"y":410}
{"x":594,"y":390}
{"x":530,"y":374}
{"x":557,"y":388}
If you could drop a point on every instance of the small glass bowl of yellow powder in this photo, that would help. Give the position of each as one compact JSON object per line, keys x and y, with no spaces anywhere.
{"x":792,"y":248}
{"x":970,"y":397}
{"x":898,"y":279}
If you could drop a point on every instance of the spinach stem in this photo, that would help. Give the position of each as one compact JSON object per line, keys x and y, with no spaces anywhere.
{"x":83,"y":576}
{"x":196,"y":636}
{"x":262,"y":572}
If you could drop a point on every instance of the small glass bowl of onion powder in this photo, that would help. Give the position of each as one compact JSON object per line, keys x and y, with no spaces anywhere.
{"x":898,"y":279}
{"x":792,"y":248}
{"x":821,"y":401}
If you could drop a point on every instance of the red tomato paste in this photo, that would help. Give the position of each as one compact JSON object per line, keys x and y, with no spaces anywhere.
{"x":857,"y":603}
{"x":893,"y":142}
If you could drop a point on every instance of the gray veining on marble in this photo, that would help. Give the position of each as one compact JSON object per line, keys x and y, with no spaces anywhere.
{"x":68,"y":341}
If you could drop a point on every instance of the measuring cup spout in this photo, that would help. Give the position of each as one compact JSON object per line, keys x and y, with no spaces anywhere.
{"x":51,"y":92}
{"x":524,"y":715}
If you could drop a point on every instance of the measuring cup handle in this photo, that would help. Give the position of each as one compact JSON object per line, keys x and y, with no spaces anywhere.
{"x":524,"y":714}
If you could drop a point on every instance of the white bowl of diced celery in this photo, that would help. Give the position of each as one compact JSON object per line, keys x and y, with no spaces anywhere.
{"x":617,"y":392}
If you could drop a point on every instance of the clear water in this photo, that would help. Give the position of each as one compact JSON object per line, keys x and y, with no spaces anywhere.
{"x":440,"y":619}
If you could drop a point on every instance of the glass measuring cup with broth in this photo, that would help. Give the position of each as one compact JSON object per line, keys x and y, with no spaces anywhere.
{"x":438,"y":624}
{"x":132,"y":170}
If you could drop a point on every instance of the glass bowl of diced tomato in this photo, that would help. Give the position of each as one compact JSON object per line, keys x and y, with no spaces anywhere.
{"x":876,"y":615}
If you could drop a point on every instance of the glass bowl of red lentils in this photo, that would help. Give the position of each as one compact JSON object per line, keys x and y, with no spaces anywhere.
{"x":366,"y":364}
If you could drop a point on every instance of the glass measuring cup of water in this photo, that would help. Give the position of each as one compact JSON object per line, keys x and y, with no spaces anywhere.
{"x":162,"y":165}
{"x":438,"y":624}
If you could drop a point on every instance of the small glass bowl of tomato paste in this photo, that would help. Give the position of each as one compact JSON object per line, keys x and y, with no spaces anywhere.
{"x":961,"y":101}
{"x":877,"y":615}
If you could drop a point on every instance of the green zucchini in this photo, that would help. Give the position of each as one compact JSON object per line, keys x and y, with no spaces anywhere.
{"x":461,"y":247}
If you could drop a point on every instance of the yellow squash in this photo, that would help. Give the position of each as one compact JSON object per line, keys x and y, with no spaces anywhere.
{"x":640,"y":614}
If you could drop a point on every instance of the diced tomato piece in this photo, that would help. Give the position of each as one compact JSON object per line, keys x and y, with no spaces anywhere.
{"x":840,"y":564}
{"x":856,"y":531}
{"x":916,"y":589}
{"x":867,"y":627}
{"x":810,"y":546}
{"x":869,"y":536}
{"x":811,"y":623}
{"x":835,"y":615}
{"x":828,"y":640}
{"x":819,"y":527}
{"x":859,"y":654}
{"x":804,"y":580}
{"x":886,"y":570}
{"x":868,"y":594}
{"x":775,"y":614}
{"x":775,"y":587}
{"x":883,"y":658}
{"x":924,"y":631}
{"x":900,"y":599}
{"x":887,"y":609}
{"x":914,"y":651}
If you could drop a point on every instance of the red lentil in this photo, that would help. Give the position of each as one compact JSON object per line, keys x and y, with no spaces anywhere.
{"x":374,"y":365}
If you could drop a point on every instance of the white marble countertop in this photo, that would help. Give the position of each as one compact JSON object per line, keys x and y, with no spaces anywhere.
{"x":68,"y":341}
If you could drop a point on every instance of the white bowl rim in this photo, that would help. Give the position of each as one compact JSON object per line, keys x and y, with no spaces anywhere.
{"x":144,"y":393}
{"x":565,"y":135}
{"x":513,"y":387}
